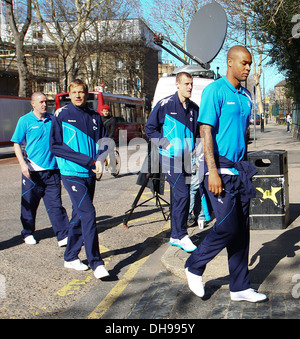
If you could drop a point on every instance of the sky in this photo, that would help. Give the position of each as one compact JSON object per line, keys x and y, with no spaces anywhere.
{"x":271,"y":74}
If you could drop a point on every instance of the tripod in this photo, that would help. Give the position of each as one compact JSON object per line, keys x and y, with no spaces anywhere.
{"x":158,"y":183}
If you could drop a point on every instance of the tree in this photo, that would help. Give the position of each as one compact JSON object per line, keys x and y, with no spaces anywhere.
{"x":19,"y":32}
{"x":64,"y":24}
{"x":172,"y":18}
{"x":243,"y":30}
{"x":107,"y":37}
{"x":280,"y":21}
{"x":68,"y":24}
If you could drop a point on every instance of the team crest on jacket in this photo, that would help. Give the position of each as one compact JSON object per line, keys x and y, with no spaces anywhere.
{"x":95,"y":125}
{"x":191,"y":117}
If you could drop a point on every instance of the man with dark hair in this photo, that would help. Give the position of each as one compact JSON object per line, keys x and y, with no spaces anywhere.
{"x":224,"y":118}
{"x":110,"y":124}
{"x":109,"y":121}
{"x":173,"y":127}
{"x":40,"y":173}
{"x":75,"y":133}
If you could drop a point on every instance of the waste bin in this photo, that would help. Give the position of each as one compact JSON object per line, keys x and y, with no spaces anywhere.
{"x":270,"y":208}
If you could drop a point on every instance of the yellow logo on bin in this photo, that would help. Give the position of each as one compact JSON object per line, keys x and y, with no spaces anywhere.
{"x":269,"y":194}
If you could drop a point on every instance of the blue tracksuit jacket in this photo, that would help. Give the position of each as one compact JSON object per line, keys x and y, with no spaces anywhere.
{"x":74,"y":139}
{"x":170,"y":123}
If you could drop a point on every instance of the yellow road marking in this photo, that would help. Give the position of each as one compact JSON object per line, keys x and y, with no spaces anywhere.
{"x":129,"y":222}
{"x":148,"y":193}
{"x":117,"y":290}
{"x":73,"y":286}
{"x":76,"y":284}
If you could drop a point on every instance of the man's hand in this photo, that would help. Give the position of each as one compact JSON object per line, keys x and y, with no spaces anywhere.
{"x":98,"y":167}
{"x":215,"y":183}
{"x":24,"y":167}
{"x":25,"y":171}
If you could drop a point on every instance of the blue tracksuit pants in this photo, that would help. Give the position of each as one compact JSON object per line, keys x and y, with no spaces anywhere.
{"x":46,"y":185}
{"x":231,"y":231}
{"x":83,"y":223}
{"x":180,"y":203}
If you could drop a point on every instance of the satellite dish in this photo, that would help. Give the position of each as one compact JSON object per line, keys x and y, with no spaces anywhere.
{"x":207,"y":32}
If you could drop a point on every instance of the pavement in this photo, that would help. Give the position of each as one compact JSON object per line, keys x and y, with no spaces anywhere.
{"x":274,"y":260}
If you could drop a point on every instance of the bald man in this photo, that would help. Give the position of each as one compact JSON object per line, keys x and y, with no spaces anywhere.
{"x":224,"y":118}
{"x":40,"y":173}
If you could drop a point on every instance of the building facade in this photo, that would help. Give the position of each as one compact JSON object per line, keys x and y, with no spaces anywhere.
{"x":118,"y":53}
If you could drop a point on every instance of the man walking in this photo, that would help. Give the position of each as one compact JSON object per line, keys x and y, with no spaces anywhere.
{"x":75,"y":133}
{"x":173,"y":127}
{"x":224,"y":118}
{"x":40,"y":174}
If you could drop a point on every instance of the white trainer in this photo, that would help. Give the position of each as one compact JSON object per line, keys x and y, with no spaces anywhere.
{"x":248,"y":295}
{"x":195,"y":283}
{"x":30,"y":240}
{"x":76,"y":265}
{"x":184,"y":243}
{"x":101,"y":272}
{"x":63,"y":242}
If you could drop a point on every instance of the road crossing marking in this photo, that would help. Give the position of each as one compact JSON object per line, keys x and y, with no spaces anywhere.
{"x":73,"y":286}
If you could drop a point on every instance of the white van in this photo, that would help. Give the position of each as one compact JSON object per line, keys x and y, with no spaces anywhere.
{"x":166,"y":85}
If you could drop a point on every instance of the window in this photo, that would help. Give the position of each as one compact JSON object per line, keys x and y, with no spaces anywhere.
{"x":137,"y":83}
{"x":120,"y":64}
{"x":120,"y":85}
{"x":37,"y":35}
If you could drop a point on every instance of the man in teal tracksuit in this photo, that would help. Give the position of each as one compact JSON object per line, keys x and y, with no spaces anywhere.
{"x":40,"y":173}
{"x":75,"y":133}
{"x":224,"y":118}
{"x":173,"y":127}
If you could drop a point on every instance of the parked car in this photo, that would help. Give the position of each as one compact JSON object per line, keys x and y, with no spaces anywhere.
{"x":257,"y":119}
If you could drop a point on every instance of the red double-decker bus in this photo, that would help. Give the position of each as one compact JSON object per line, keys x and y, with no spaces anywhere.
{"x":128,"y":111}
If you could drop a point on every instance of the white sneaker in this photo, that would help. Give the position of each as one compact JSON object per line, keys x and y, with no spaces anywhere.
{"x":63,"y":242}
{"x":184,"y":243}
{"x":30,"y":240}
{"x":76,"y":265}
{"x":101,"y":272}
{"x":201,"y":224}
{"x":195,"y":283}
{"x":248,"y":295}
